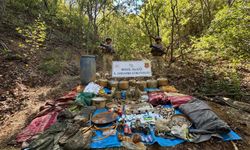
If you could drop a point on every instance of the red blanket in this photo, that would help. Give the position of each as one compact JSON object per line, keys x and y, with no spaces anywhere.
{"x":38,"y":125}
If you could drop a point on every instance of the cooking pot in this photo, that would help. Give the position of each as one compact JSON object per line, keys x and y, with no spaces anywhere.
{"x":141,"y":85}
{"x":99,"y":102}
{"x":162,"y":81}
{"x":112,"y":84}
{"x":132,"y":82}
{"x":123,"y":85}
{"x":103,"y":82}
{"x":152,"y":84}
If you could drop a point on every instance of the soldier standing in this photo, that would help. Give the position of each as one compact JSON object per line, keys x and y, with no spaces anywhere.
{"x":108,"y":53}
{"x":157,"y":51}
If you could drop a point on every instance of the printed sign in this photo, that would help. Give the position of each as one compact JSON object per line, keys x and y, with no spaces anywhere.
{"x":131,"y":69}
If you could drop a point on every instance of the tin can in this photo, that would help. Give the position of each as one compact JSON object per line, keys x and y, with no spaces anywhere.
{"x":126,"y":129}
{"x":123,"y":95}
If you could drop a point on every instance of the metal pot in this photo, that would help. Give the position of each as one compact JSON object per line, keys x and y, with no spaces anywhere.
{"x":103,"y":82}
{"x":152,"y":83}
{"x":162,"y":81}
{"x":99,"y":102}
{"x":132,"y":82}
{"x":141,"y":85}
{"x":123,"y":85}
{"x":112,"y":84}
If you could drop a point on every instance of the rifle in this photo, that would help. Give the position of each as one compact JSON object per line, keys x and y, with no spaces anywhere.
{"x":157,"y":51}
{"x":108,"y":48}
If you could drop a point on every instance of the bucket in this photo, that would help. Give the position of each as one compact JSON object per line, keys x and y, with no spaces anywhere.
{"x":87,"y":69}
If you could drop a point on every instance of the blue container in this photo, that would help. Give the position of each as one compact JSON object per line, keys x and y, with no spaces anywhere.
{"x":87,"y":69}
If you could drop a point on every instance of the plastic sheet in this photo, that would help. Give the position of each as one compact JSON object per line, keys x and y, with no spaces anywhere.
{"x":113,"y":141}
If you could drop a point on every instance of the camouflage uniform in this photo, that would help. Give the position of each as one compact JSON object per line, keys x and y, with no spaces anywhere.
{"x":107,"y":58}
{"x":158,"y":61}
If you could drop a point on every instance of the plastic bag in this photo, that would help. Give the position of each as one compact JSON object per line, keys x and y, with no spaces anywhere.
{"x":133,"y":146}
{"x":162,"y":125}
{"x":84,"y":98}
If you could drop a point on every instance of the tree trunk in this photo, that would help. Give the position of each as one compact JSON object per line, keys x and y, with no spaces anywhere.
{"x":146,"y":25}
{"x":156,"y":17}
{"x":230,"y":3}
{"x":177,"y":19}
{"x":172,"y":31}
{"x":202,"y":11}
{"x":2,"y":9}
{"x":207,"y":4}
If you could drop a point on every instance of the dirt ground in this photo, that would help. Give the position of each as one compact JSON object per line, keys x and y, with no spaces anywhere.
{"x":239,"y":121}
{"x":23,"y":91}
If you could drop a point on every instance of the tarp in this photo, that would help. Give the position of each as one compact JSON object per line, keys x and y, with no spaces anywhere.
{"x":113,"y":141}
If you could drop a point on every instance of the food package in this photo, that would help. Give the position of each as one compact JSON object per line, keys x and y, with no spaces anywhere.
{"x":168,"y":89}
{"x":162,"y":125}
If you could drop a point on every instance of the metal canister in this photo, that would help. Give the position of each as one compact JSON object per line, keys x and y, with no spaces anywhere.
{"x":99,"y":102}
{"x":132,"y":83}
{"x":152,"y":83}
{"x":112,"y":84}
{"x":123,"y":85}
{"x":123,"y":95}
{"x":87,"y":69}
{"x":141,"y":85}
{"x":126,"y":129}
{"x":162,"y":81}
{"x":103,"y":82}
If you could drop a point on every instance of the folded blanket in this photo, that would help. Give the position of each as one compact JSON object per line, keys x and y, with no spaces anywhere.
{"x":204,"y":119}
{"x":157,"y":98}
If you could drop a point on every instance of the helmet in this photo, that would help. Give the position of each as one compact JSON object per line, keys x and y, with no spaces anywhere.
{"x":108,"y":39}
{"x":157,"y":38}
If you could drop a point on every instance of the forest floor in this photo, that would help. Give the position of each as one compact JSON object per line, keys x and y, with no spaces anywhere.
{"x":23,"y":90}
{"x":239,"y":121}
{"x":20,"y":102}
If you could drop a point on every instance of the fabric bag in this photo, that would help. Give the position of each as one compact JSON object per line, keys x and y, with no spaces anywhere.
{"x":81,"y":140}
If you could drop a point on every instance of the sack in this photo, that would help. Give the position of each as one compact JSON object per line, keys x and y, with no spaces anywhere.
{"x":81,"y":140}
{"x":203,"y":118}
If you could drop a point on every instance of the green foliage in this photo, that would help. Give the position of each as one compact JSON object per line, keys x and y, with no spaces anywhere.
{"x":50,"y":67}
{"x":228,"y":35}
{"x":54,"y":62}
{"x":211,"y":30}
{"x":222,"y":82}
{"x":128,"y":39}
{"x":34,"y":34}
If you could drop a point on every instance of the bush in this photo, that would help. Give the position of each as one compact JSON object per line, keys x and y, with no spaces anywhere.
{"x":50,"y":67}
{"x":222,"y":83}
